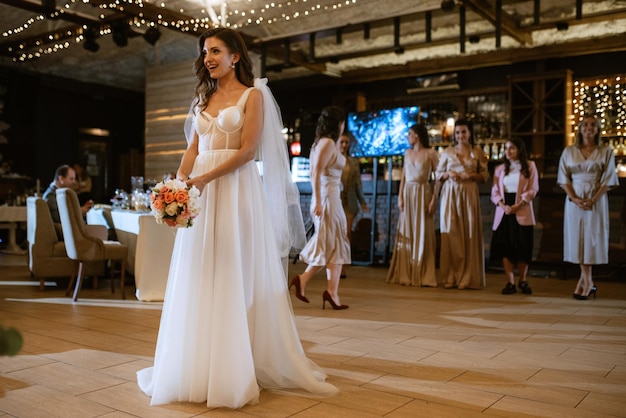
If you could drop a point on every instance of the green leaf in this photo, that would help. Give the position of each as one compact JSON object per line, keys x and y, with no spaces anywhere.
{"x":10,"y":341}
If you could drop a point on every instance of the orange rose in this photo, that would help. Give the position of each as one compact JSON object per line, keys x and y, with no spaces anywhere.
{"x":158,"y":204}
{"x":181,"y":196}
{"x":168,"y":197}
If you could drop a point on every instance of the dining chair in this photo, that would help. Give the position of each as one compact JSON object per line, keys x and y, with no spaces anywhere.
{"x":82,"y":246}
{"x":47,"y":258}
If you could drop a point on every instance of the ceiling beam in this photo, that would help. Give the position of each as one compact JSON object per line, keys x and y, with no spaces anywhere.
{"x":484,"y":9}
{"x":616,"y":43}
{"x":485,"y":35}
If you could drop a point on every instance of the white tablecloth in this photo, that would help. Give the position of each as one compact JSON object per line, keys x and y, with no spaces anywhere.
{"x":150,"y":248}
{"x":9,"y":218}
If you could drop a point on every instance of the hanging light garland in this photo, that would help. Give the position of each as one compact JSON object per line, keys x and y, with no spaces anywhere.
{"x":267,"y":14}
{"x":262,"y":15}
{"x":604,"y":97}
{"x":24,"y":26}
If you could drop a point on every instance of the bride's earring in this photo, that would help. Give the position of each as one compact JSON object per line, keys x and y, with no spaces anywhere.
{"x":233,"y":66}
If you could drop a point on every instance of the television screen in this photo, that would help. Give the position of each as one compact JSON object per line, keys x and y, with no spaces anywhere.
{"x":383,"y":132}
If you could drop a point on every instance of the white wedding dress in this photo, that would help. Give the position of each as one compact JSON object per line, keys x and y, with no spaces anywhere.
{"x":227,"y":329}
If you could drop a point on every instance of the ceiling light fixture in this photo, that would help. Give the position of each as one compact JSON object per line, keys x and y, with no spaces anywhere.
{"x":49,"y":6}
{"x":119,"y":30}
{"x":447,"y":5}
{"x":152,"y":35}
{"x":90,"y":44}
{"x":562,"y":26}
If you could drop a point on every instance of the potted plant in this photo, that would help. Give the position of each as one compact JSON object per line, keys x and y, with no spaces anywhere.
{"x":10,"y":341}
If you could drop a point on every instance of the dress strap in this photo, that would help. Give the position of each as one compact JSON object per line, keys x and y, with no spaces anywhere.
{"x":244,"y":97}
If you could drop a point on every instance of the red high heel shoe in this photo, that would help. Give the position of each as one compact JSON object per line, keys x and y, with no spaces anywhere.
{"x":295,"y":281}
{"x":326,"y":297}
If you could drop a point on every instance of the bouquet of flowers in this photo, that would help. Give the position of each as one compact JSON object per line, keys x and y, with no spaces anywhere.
{"x":174,"y":203}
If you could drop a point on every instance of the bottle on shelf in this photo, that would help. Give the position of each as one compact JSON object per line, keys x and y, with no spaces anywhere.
{"x":494,"y":151}
{"x":621,"y":148}
{"x":487,"y":150}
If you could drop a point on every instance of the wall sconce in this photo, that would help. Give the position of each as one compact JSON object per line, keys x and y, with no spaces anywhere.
{"x":295,"y":148}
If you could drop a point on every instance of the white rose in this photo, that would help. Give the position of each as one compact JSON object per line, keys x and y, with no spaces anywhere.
{"x":194,"y":192}
{"x":172,"y":209}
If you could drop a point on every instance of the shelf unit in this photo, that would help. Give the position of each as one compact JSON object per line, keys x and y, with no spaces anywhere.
{"x":540,"y":112}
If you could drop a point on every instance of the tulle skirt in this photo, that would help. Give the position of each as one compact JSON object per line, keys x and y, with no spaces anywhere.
{"x":227,"y":329}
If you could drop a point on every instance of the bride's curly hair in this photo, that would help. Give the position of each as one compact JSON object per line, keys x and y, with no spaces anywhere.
{"x":206,"y":85}
{"x":328,"y":123}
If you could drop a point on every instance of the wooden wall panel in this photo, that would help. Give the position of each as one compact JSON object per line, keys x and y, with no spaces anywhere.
{"x":169,"y":90}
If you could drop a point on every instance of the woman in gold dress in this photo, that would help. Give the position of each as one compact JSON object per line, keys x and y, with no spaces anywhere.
{"x":461,"y":168}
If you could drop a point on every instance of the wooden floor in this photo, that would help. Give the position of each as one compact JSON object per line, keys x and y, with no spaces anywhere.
{"x":397,"y":352}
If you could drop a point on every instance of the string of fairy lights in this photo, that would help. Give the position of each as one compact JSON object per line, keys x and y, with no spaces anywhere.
{"x":604,"y":97}
{"x":269,"y":13}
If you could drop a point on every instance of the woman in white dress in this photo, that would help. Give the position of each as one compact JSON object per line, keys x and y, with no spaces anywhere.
{"x":227,"y":329}
{"x":329,"y":246}
{"x":413,"y":260}
{"x":586,"y":173}
{"x":461,"y":168}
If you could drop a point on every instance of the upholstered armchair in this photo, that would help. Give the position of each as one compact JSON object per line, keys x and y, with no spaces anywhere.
{"x":82,"y":246}
{"x":47,"y":258}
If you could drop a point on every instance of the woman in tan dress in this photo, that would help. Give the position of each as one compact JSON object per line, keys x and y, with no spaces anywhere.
{"x":462,"y":166}
{"x":413,"y":260}
{"x":586,"y":173}
{"x":329,"y":244}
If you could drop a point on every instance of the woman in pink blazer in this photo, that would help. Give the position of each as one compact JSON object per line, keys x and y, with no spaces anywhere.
{"x":515,"y":185}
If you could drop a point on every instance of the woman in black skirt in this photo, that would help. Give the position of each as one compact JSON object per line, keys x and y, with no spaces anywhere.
{"x":515,"y":184}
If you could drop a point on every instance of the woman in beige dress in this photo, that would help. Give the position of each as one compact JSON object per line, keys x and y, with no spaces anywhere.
{"x":413,"y":260}
{"x":329,"y":244}
{"x":461,"y":168}
{"x":586,"y":173}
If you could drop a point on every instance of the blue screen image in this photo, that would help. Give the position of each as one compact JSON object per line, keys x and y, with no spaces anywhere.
{"x":382,"y":132}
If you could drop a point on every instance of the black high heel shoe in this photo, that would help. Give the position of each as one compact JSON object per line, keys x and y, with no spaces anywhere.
{"x":295,"y":281}
{"x":326,"y":297}
{"x":591,"y":292}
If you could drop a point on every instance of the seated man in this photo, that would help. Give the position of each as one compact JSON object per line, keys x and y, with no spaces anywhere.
{"x":64,"y":176}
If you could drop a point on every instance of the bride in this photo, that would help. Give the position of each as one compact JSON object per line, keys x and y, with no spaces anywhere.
{"x":227,"y":329}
